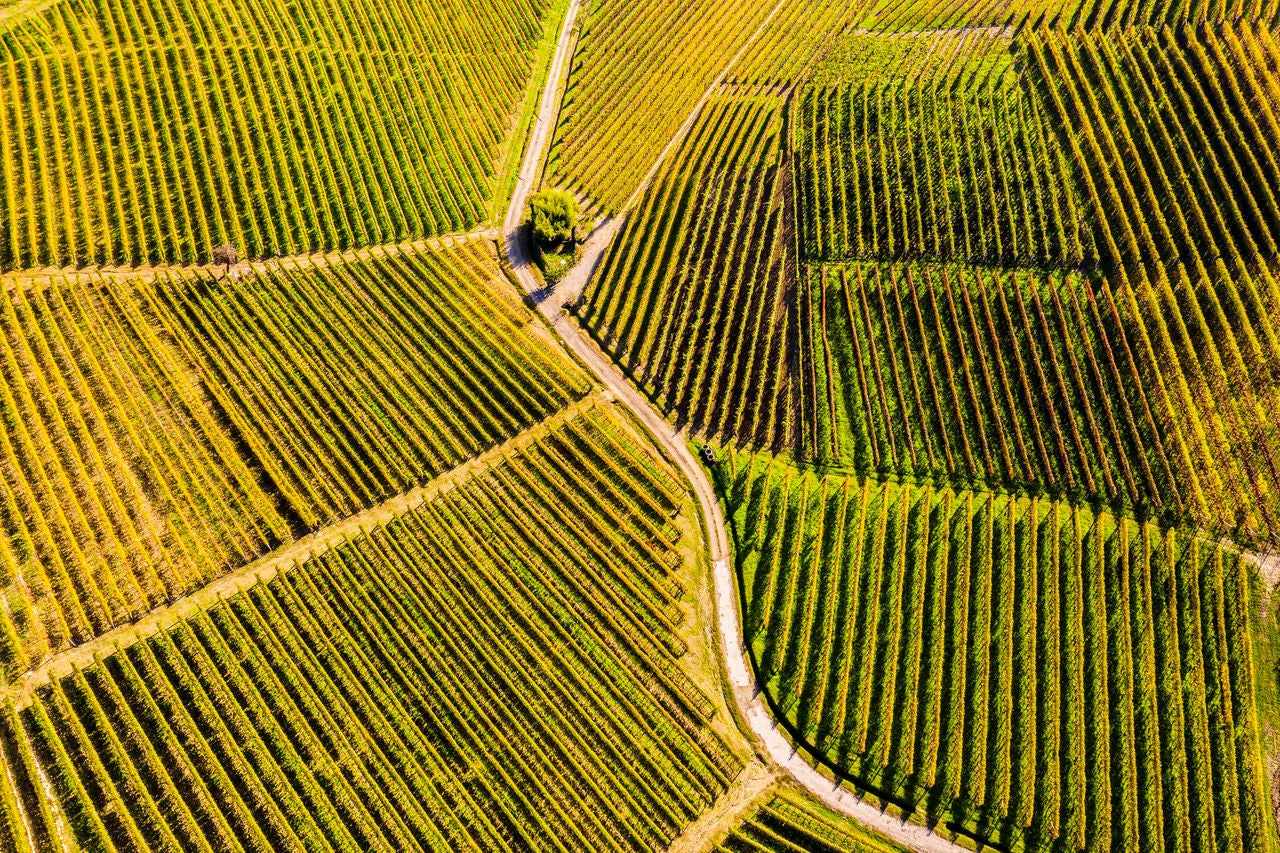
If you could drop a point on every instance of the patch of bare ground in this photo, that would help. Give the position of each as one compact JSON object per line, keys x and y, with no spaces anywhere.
{"x":753,"y":787}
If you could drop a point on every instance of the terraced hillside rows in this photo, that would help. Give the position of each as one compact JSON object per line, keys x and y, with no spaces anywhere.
{"x":1034,"y":672}
{"x":144,"y":132}
{"x":790,"y":823}
{"x":1039,"y":248}
{"x":711,"y":243}
{"x":161,"y":428}
{"x":495,"y":670}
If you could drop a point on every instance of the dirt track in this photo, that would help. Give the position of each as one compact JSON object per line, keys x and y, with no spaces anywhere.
{"x":741,"y":677}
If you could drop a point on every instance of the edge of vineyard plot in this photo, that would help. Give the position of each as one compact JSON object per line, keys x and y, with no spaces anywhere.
{"x":508,"y":165}
{"x":906,"y":16}
{"x":900,"y":629}
{"x":163,"y":427}
{"x":793,"y":822}
{"x":798,"y":37}
{"x":497,"y":669}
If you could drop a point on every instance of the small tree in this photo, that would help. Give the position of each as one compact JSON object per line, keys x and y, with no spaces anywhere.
{"x":555,"y":217}
{"x":226,"y":255}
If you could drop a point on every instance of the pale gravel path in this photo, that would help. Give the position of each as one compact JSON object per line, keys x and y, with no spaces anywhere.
{"x":13,"y":14}
{"x":1269,"y":567}
{"x":539,"y":139}
{"x":1266,"y":562}
{"x":36,"y":277}
{"x":742,"y":680}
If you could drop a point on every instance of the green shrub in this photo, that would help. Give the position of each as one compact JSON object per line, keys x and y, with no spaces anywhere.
{"x":554,"y":214}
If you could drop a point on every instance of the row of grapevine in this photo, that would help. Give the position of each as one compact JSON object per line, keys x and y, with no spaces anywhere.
{"x":496,"y":670}
{"x":162,"y":428}
{"x":134,"y":133}
{"x":691,"y":299}
{"x":793,"y":823}
{"x":638,"y":71}
{"x":1055,"y":383}
{"x":1032,"y":672}
{"x":930,"y":148}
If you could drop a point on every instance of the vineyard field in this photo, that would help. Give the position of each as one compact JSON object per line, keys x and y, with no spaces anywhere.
{"x":134,"y":133}
{"x":638,"y":70}
{"x":163,"y":428}
{"x":1188,"y":117}
{"x":1031,"y":322}
{"x":495,"y":670}
{"x":355,"y":381}
{"x":796,"y":38}
{"x":1027,"y":668}
{"x":638,"y":426}
{"x":893,"y":161}
{"x":1053,"y":383}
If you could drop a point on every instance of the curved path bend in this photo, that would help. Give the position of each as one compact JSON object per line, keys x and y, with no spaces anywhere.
{"x":741,"y":677}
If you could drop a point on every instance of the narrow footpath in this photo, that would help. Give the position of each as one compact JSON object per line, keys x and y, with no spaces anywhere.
{"x":741,"y":677}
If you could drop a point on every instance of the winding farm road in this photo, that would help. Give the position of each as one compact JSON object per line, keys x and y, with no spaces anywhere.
{"x":742,"y":679}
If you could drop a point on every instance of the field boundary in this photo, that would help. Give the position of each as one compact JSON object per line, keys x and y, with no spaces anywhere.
{"x":30,"y":278}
